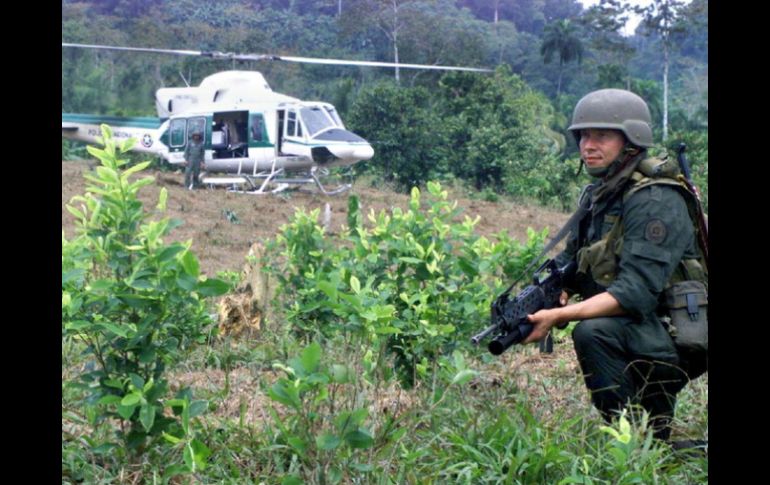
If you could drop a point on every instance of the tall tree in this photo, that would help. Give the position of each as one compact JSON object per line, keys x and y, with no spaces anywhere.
{"x":526,"y":14}
{"x":603,"y":23}
{"x":427,"y":25}
{"x":694,"y":43}
{"x":560,"y":38}
{"x":690,"y":100}
{"x":385,"y":16}
{"x":387,"y":13}
{"x":661,"y":18}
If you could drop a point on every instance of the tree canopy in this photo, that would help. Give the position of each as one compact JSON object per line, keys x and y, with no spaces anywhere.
{"x":496,"y":122}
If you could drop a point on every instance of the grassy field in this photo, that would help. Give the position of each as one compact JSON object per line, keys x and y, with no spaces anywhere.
{"x":358,"y":371}
{"x":525,"y":418}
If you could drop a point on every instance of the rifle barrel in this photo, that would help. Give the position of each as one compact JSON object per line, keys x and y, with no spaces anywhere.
{"x":481,"y":336}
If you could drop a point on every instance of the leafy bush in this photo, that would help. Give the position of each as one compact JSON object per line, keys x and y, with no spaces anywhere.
{"x":331,"y":427}
{"x":323,"y":433}
{"x":413,"y":285}
{"x":405,"y":132}
{"x":135,"y":303}
{"x":493,"y":132}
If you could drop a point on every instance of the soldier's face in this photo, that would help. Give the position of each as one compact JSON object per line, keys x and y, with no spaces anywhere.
{"x":599,"y":148}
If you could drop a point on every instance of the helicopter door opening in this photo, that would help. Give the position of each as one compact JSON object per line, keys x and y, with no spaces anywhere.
{"x":229,"y":134}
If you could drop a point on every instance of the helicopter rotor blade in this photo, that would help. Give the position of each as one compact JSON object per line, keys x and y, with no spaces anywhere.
{"x":341,"y":62}
{"x":177,"y":52}
{"x":267,"y":57}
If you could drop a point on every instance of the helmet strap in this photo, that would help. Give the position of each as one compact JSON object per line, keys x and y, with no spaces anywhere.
{"x":580,"y":167}
{"x":631,"y":150}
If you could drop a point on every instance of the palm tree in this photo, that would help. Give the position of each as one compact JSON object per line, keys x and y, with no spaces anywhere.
{"x":560,"y":38}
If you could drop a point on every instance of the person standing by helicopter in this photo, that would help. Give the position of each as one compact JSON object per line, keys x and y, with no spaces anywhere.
{"x":193,"y":156}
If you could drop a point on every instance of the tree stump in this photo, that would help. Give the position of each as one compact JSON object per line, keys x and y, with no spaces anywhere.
{"x":243,"y":312}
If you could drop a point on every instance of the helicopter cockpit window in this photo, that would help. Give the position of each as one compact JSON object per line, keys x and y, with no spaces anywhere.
{"x":316,"y":120}
{"x":333,"y":113}
{"x":177,"y":132}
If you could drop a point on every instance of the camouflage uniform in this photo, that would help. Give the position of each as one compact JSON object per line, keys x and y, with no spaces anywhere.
{"x":193,"y":155}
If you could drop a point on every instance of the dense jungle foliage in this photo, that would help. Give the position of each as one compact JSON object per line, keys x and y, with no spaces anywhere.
{"x":501,"y":133}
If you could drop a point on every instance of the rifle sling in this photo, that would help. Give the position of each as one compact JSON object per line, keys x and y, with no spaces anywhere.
{"x":584,"y":207}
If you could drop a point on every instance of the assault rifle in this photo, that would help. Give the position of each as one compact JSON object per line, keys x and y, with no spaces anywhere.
{"x":509,"y":316}
{"x":699,"y":216}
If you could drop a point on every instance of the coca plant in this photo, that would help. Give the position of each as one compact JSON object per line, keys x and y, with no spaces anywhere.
{"x":134,"y":301}
{"x":409,"y":286}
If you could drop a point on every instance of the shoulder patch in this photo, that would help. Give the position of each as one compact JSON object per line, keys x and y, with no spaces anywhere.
{"x":655,"y":231}
{"x":656,"y":193}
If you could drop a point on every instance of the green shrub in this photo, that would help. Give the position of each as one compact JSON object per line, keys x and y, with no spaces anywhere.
{"x":412,"y":285}
{"x":135,"y":304}
{"x":326,"y":435}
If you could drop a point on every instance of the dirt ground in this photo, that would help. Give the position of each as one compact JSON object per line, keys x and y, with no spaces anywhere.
{"x":221,"y":243}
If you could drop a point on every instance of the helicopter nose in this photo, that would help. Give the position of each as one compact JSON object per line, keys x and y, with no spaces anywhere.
{"x":352,"y":153}
{"x":363,"y":152}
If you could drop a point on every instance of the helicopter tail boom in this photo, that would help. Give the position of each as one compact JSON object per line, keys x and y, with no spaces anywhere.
{"x":87,"y":128}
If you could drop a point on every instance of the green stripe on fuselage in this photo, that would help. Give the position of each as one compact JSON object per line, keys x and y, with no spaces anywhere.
{"x":132,"y":122}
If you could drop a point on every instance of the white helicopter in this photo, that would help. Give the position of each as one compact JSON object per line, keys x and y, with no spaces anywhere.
{"x":254,"y":138}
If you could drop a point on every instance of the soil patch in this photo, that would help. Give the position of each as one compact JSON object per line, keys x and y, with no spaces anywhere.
{"x":223,"y":225}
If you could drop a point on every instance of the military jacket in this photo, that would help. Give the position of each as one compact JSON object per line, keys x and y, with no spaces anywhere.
{"x":654,"y":234}
{"x":194,"y":152}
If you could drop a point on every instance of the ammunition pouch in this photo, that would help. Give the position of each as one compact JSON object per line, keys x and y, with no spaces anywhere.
{"x":601,"y":257}
{"x":687,"y":304}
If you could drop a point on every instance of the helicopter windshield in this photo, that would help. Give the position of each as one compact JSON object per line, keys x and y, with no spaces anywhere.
{"x":333,"y":113}
{"x":316,"y":120}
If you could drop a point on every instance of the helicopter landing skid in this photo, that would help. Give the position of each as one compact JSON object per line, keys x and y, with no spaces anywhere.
{"x":272,"y":182}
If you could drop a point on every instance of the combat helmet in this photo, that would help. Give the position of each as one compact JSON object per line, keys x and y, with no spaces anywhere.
{"x":615,"y":109}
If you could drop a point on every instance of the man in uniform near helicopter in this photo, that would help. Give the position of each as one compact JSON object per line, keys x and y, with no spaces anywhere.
{"x":636,"y":238}
{"x":193,"y":156}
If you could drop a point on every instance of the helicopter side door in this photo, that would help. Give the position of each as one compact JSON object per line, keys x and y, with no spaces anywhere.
{"x":260,"y":147}
{"x":180,"y":130}
{"x":293,"y":142}
{"x":177,"y":135}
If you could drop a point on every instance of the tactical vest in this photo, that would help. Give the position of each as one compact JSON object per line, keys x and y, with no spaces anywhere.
{"x":600,"y":259}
